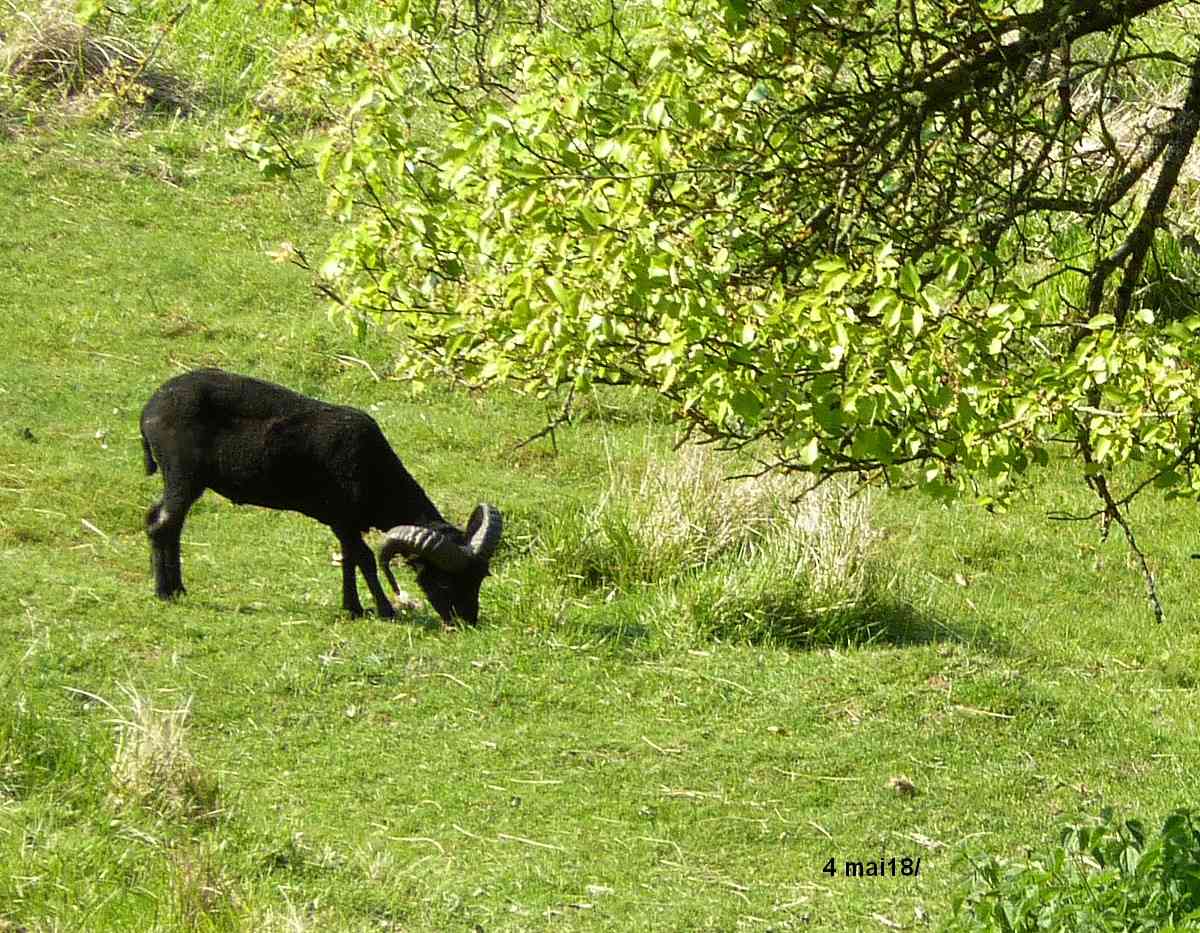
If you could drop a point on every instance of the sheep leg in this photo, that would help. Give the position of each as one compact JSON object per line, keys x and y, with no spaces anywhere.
{"x":355,"y":554}
{"x":366,"y":563}
{"x":350,"y":601}
{"x":164,"y":525}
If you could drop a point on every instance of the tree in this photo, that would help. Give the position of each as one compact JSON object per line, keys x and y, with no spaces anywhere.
{"x":923,"y":243}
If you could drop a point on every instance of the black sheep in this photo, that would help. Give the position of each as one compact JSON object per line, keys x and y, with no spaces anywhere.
{"x":261,"y":444}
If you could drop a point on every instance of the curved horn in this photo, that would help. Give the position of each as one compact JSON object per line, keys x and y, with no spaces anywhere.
{"x":417,"y":541}
{"x":483,"y":531}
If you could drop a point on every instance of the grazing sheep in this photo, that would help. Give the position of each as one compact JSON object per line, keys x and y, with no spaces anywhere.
{"x":258,"y":443}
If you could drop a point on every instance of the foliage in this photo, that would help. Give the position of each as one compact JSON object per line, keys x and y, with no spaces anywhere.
{"x":1105,"y":874}
{"x":809,"y":226}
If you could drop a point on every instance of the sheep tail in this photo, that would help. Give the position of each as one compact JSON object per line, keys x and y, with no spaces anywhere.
{"x":151,"y":466}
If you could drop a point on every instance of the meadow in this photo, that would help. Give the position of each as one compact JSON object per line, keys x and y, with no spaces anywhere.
{"x":660,"y":723}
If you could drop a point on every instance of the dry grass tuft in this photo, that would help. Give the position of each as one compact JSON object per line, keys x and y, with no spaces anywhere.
{"x":689,"y":512}
{"x":153,"y":767}
{"x":49,"y":49}
{"x":686,"y":507}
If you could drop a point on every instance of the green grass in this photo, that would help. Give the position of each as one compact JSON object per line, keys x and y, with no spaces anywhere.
{"x":638,"y":737}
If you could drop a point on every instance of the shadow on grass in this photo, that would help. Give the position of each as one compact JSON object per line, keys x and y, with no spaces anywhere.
{"x":678,"y":616}
{"x":899,"y":623}
{"x":687,"y":612}
{"x":622,"y":634}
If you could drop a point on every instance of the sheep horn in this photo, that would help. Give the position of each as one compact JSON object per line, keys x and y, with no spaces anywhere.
{"x":418,"y":541}
{"x":483,"y":531}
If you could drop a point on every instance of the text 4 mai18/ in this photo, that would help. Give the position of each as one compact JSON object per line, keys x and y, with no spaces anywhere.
{"x":907,"y":867}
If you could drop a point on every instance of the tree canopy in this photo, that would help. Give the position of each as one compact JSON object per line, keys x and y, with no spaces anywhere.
{"x":925,"y":243}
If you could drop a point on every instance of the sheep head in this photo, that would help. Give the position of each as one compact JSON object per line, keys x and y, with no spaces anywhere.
{"x":450,"y":564}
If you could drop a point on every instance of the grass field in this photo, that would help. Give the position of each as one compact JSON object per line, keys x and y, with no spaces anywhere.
{"x":625,"y":743}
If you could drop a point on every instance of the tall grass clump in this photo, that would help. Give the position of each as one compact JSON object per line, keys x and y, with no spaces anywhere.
{"x":64,"y":856}
{"x":51,"y":61}
{"x":153,"y":767}
{"x":681,"y":545}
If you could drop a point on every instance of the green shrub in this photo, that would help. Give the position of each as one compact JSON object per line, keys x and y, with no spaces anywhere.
{"x":1105,"y":874}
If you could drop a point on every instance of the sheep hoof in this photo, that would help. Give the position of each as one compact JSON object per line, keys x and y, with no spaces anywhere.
{"x":406,"y":602}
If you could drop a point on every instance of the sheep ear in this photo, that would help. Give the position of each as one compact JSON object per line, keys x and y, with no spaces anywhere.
{"x":483,"y":531}
{"x":418,"y":541}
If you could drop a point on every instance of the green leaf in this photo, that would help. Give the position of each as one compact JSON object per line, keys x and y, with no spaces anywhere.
{"x":809,"y":453}
{"x":835,"y":283}
{"x":87,"y":10}
{"x":736,"y":12}
{"x":758,"y":93}
{"x":872,"y":444}
{"x":881,"y":302}
{"x":331,"y":268}
{"x":747,"y":405}
{"x":956,"y":269}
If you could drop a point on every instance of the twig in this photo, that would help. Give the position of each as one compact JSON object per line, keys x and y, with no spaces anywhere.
{"x":92,"y":528}
{"x":505,"y":837}
{"x":355,"y":361}
{"x":817,"y":777}
{"x":660,"y":749}
{"x":1147,"y":574}
{"x":449,"y":677}
{"x":563,"y":417}
{"x":1112,"y":513}
{"x":149,"y":56}
{"x":976,"y":711}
